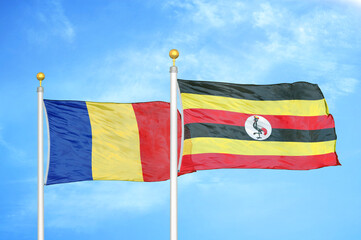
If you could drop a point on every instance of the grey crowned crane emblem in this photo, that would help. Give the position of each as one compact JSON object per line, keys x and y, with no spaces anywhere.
{"x":259,"y":130}
{"x":258,"y":127}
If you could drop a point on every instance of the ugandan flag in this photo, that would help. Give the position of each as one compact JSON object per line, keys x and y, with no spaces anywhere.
{"x":108,"y":141}
{"x":278,"y":126}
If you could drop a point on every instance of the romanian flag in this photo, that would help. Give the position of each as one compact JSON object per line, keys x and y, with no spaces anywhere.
{"x":279,"y":126}
{"x":108,"y":141}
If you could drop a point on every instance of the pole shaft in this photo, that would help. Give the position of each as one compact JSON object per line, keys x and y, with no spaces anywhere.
{"x":173,"y":155}
{"x":40,"y":91}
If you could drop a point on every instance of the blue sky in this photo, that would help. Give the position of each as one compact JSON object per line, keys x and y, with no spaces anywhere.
{"x":118,"y":51}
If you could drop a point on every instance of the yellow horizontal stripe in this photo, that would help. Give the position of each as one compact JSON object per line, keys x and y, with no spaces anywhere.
{"x":242,"y":147}
{"x":115,"y":138}
{"x":279,"y":107}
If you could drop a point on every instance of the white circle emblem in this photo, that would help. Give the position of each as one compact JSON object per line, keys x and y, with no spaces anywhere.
{"x":257,"y":127}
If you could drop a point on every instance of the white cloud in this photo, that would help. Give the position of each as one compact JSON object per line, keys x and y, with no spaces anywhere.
{"x":338,"y":87}
{"x":211,"y":13}
{"x":352,"y":2}
{"x":348,"y":85}
{"x":307,"y":41}
{"x":85,"y":205}
{"x":312,"y":42}
{"x":79,"y":205}
{"x":52,"y":22}
{"x":212,"y":187}
{"x":13,"y":151}
{"x":133,"y":75}
{"x":267,"y":16}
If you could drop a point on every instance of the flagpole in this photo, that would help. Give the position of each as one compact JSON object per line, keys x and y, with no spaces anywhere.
{"x":40,"y":76}
{"x":173,"y":148}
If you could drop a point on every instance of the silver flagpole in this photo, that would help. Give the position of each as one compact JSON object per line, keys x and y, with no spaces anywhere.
{"x":40,"y":76}
{"x":173,"y":148}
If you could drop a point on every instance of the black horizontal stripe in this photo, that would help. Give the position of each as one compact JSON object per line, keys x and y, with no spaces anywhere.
{"x":283,"y":91}
{"x":194,"y":130}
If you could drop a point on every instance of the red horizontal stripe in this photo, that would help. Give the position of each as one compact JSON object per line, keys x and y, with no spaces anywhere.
{"x":218,"y":160}
{"x":196,"y":115}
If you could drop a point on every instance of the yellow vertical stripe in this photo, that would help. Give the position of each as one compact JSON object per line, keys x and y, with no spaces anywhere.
{"x":115,"y":142}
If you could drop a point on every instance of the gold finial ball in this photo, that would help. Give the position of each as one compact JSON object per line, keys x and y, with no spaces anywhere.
{"x":40,"y":76}
{"x":173,"y":53}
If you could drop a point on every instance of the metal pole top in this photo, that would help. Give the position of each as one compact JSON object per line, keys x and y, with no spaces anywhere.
{"x":40,"y":76}
{"x":173,"y":54}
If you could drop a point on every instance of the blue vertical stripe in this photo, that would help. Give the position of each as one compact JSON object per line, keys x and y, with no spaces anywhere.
{"x":70,"y":142}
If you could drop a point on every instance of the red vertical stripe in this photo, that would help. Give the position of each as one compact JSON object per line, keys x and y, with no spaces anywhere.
{"x":153,"y":120}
